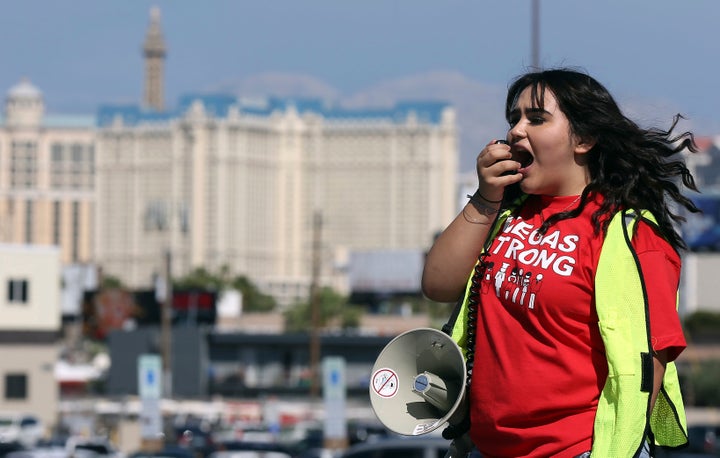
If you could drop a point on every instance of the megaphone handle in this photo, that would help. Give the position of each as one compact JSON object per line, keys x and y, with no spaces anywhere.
{"x":460,"y":447}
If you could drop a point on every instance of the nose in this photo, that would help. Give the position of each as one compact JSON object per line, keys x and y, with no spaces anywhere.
{"x":517,"y":132}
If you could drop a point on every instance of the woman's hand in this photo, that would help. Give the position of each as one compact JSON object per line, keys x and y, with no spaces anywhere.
{"x":496,"y":170}
{"x":456,"y":250}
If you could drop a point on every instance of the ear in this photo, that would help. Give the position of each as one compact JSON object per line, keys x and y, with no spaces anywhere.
{"x":584,"y":145}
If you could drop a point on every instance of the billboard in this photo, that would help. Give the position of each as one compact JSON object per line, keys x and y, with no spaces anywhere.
{"x":386,"y":271}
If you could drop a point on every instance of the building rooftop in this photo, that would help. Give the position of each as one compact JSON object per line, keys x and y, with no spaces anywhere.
{"x":219,"y":105}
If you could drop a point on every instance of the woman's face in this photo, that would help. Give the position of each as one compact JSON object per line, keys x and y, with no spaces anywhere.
{"x":553,"y":160}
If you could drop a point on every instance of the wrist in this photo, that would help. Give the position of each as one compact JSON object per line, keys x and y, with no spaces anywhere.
{"x":484,"y":206}
{"x":478,"y":196}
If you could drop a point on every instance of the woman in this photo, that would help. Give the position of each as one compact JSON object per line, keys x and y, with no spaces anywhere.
{"x":546,"y":378}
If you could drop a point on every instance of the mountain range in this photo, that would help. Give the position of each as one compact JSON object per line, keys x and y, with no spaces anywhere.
{"x":479,"y":106}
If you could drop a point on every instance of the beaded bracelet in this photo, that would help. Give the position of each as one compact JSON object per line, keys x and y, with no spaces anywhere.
{"x":475,"y":221}
{"x":481,"y":207}
{"x":477,"y":194}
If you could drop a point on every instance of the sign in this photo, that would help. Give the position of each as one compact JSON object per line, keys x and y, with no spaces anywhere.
{"x":149,"y":376}
{"x":334,"y":389}
{"x":150,"y":391}
{"x":385,"y":382}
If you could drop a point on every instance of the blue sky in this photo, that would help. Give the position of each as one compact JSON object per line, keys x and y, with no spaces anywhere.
{"x":85,"y":52}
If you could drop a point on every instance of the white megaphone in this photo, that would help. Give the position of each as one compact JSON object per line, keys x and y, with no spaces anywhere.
{"x":418,"y":385}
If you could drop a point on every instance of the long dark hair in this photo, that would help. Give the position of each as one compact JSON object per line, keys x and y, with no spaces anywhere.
{"x":630,"y":167}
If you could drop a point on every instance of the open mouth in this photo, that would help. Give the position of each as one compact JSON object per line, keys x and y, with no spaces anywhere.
{"x":523,"y":157}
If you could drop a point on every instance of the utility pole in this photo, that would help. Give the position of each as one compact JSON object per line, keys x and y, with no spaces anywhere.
{"x":315,"y":307}
{"x":166,"y":329}
{"x":535,"y":38}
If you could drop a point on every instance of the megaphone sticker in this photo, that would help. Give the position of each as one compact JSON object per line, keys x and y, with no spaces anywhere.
{"x":385,"y":382}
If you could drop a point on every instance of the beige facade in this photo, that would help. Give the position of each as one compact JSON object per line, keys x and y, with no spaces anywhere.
{"x":29,"y":329}
{"x":46,"y":176}
{"x":223,"y":184}
{"x":697,"y":287}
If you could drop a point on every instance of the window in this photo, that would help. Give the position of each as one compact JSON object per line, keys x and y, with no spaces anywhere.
{"x":17,"y":291}
{"x":15,"y":386}
{"x":57,"y":153}
{"x":23,"y":165}
{"x":57,"y":212}
{"x":75,"y":230}
{"x":29,"y":221}
{"x":156,"y":216}
{"x":72,"y":166}
{"x":76,"y":150}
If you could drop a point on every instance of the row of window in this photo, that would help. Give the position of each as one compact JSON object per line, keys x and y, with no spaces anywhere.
{"x":29,"y":225}
{"x":72,"y":166}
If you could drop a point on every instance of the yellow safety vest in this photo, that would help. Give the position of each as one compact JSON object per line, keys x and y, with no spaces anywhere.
{"x":622,"y":421}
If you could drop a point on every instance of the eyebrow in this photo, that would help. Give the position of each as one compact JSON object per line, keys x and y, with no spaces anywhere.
{"x":529,"y":111}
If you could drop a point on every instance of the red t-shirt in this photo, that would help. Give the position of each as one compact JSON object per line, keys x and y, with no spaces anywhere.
{"x":539,"y":361}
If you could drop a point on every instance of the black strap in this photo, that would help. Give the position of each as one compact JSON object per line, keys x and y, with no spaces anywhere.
{"x":447,"y":328}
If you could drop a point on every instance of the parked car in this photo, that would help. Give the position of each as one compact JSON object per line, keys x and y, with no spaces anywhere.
{"x":704,"y":442}
{"x":367,"y":431}
{"x":99,"y":446}
{"x":50,"y":452}
{"x":197,"y":438}
{"x":249,"y":449}
{"x":410,"y":447}
{"x":25,"y":429}
{"x":8,"y":447}
{"x":171,"y":451}
{"x":250,"y":454}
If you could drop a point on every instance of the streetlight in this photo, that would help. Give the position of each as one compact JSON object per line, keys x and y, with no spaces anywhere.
{"x":535,"y":34}
{"x":315,"y":307}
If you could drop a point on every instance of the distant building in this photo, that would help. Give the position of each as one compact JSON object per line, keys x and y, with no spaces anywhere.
{"x":206,"y":364}
{"x":46,"y":176}
{"x":220,"y":183}
{"x":705,"y":164}
{"x":29,"y":329}
{"x":697,"y":286}
{"x":378,"y":276}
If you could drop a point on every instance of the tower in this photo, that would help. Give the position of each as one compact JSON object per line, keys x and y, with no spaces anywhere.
{"x":154,"y":51}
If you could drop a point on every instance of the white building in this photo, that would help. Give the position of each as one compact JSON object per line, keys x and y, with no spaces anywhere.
{"x":221,"y":183}
{"x":697,"y":287}
{"x":29,"y":329}
{"x":46,"y":176}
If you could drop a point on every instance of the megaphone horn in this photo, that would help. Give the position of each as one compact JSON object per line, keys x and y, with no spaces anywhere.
{"x":418,"y":383}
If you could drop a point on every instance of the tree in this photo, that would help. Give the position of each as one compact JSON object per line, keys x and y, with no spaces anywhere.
{"x":333,"y":307}
{"x":702,"y":326}
{"x":110,"y":282}
{"x":253,"y":299}
{"x":200,"y":278}
{"x":703,"y":382}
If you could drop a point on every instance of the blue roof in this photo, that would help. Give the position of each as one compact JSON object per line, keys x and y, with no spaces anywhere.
{"x":64,"y":121}
{"x":71,"y":121}
{"x":130,"y":114}
{"x":218,"y":105}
